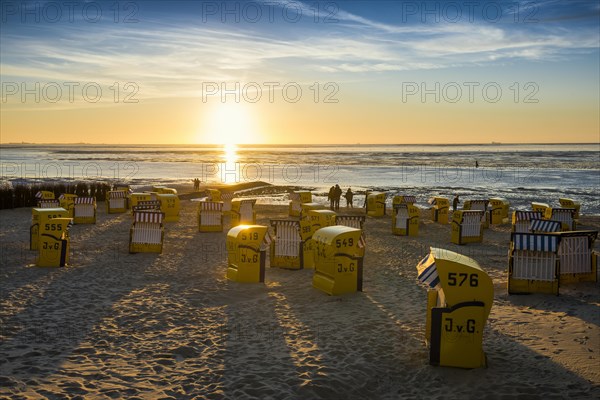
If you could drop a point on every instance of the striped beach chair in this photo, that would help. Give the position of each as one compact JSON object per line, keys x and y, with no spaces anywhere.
{"x":479,"y":205}
{"x":520,"y":220}
{"x":116,"y":201}
{"x":84,"y":210}
{"x":570,"y":203}
{"x":48,"y":203}
{"x":566,"y":216}
{"x":147,"y":232}
{"x":226,"y":198}
{"x":242,"y":212}
{"x":67,"y":202}
{"x":286,"y":244}
{"x":403,"y":199}
{"x":313,"y":218}
{"x":137,"y":198}
{"x":210,"y":216}
{"x":354,"y":221}
{"x":533,"y":265}
{"x":577,"y":260}
{"x":540,"y":207}
{"x":467,"y":227}
{"x":151,"y":205}
{"x":45,"y":195}
{"x":542,"y":225}
{"x":405,"y":220}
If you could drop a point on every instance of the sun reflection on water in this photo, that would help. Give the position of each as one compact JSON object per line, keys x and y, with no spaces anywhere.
{"x":229,"y":175}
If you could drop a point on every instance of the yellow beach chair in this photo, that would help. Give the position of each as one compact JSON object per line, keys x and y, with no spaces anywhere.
{"x":226,"y":198}
{"x":84,"y":210}
{"x":566,"y":216}
{"x":467,"y":227}
{"x":570,"y":203}
{"x":533,"y":263}
{"x":405,"y":220}
{"x":376,"y":204}
{"x":499,"y":209}
{"x":439,"y":209}
{"x":169,"y":205}
{"x":242,"y":212}
{"x":147,"y":232}
{"x":40,"y":221}
{"x":48,"y":203}
{"x":521,"y":220}
{"x":210,"y":216}
{"x":357,"y":222}
{"x":338,"y":265}
{"x":286,"y":249}
{"x":577,"y":261}
{"x":54,"y":243}
{"x":296,"y":200}
{"x":403,"y":199}
{"x":459,"y":299}
{"x":246,"y":253}
{"x":479,"y":205}
{"x":116,"y":201}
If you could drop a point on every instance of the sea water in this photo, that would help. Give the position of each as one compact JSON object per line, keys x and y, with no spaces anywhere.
{"x":519,"y":173}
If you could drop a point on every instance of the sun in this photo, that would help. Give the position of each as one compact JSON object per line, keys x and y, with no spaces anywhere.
{"x":230,"y":124}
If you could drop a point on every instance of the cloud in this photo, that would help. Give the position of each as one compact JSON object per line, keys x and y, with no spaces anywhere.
{"x":173,"y":58}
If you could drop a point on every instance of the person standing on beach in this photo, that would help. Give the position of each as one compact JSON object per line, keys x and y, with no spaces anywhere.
{"x":367,"y":192}
{"x":349,"y":196}
{"x":330,"y":197}
{"x":336,"y":196}
{"x":455,"y":203}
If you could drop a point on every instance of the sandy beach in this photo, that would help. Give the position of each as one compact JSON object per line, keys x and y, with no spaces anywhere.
{"x":169,"y":326}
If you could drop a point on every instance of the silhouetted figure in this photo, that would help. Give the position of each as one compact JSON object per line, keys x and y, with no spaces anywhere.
{"x":455,"y":203}
{"x":476,"y":164}
{"x":337,"y":194}
{"x":367,"y":193}
{"x":331,"y":197}
{"x":349,"y":196}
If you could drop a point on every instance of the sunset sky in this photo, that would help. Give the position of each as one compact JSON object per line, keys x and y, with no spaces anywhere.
{"x":353,"y":72}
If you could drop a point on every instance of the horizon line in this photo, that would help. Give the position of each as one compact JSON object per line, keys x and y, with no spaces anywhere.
{"x":293,"y":144}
